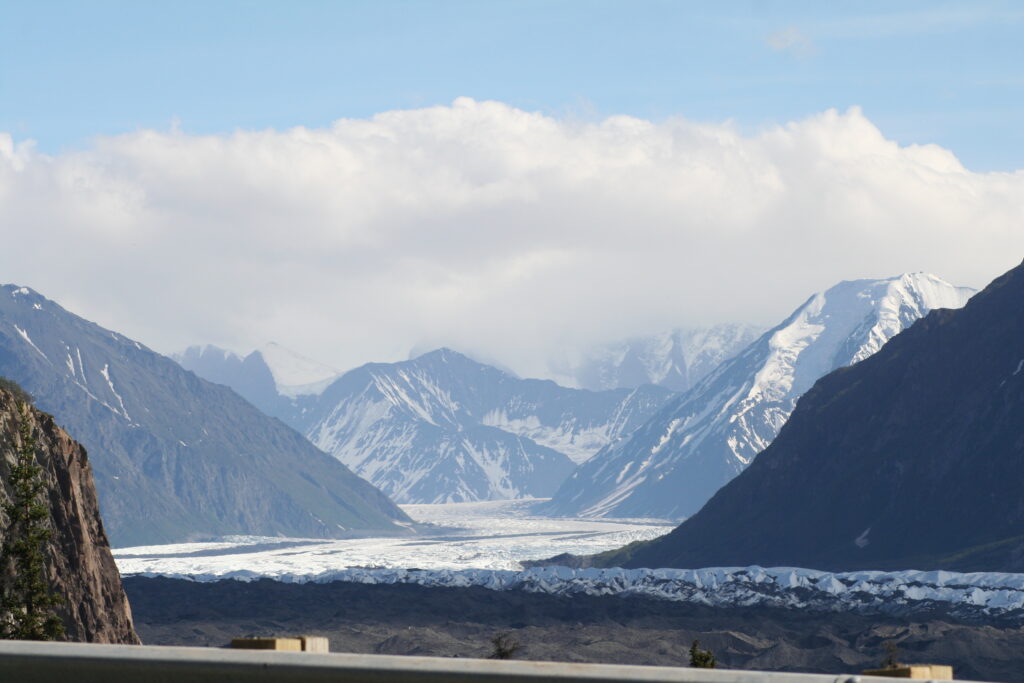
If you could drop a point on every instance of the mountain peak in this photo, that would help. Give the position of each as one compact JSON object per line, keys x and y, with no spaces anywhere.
{"x":922,"y":441}
{"x":169,"y":449}
{"x":23,"y":295}
{"x":675,"y":359}
{"x":673,"y":464}
{"x":443,"y":354}
{"x":293,"y":371}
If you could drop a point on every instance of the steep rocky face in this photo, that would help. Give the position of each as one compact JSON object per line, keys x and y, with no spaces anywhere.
{"x":81,"y":567}
{"x":911,"y":458}
{"x":700,"y":440}
{"x":177,"y":457}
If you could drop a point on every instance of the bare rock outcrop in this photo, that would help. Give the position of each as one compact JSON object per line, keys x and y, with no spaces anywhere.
{"x":81,"y":567}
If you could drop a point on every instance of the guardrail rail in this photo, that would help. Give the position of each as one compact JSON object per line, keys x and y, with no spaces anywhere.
{"x":35,"y":662}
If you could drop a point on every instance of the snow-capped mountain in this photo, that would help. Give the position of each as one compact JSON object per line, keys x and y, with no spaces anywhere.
{"x":675,"y":360}
{"x":910,"y":458}
{"x":703,"y":438}
{"x":270,"y":377}
{"x":444,"y":428}
{"x":175,"y":456}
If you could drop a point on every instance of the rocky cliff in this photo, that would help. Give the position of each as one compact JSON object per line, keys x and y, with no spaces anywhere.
{"x":81,"y":567}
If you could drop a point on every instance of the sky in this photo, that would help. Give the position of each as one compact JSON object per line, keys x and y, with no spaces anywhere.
{"x":513,"y":179}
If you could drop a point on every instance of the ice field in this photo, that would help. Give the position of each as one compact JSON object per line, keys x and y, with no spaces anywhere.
{"x":487,"y":535}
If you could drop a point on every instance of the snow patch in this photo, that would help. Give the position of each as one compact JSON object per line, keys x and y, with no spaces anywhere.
{"x":106,"y":375}
{"x":24,"y":335}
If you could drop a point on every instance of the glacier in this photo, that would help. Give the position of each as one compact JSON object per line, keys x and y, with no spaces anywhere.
{"x":979,"y":595}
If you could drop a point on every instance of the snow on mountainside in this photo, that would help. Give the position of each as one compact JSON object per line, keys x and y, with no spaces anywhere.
{"x":172,"y":452}
{"x":703,"y":438}
{"x":675,"y":360}
{"x":294,"y":374}
{"x":444,"y":428}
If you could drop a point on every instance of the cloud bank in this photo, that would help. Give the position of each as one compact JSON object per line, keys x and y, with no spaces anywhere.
{"x":506,"y":233}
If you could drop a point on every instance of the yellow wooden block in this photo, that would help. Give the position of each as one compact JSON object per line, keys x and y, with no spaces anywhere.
{"x":917,"y":671}
{"x":286,"y":644}
{"x":315,"y":644}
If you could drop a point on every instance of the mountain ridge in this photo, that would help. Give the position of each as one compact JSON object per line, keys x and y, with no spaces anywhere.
{"x":485,"y":432}
{"x":923,"y":435}
{"x":676,"y":359}
{"x":177,"y":457}
{"x":698,"y":441}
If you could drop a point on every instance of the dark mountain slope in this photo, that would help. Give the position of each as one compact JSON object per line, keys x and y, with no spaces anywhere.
{"x":176,"y":457}
{"x":913,"y":457}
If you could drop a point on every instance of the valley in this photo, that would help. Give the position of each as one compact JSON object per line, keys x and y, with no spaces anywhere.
{"x":456,"y":536}
{"x":606,"y":327}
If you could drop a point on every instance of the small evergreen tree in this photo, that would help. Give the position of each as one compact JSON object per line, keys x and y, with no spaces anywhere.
{"x":505,"y":646}
{"x":701,"y":659}
{"x":892,"y":655}
{"x":26,"y":604}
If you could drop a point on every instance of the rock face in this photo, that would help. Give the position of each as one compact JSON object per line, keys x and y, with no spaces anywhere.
{"x":697,"y":442}
{"x":445,"y":428}
{"x":910,"y":458}
{"x":81,"y":566}
{"x":177,"y":457}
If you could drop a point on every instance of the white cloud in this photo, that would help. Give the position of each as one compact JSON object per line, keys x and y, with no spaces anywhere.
{"x":503,"y":232}
{"x":792,"y":41}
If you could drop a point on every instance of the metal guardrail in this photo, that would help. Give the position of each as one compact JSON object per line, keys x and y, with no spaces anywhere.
{"x":34,"y":662}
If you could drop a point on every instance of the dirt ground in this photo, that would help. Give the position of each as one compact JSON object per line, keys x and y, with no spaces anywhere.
{"x":460,"y":622}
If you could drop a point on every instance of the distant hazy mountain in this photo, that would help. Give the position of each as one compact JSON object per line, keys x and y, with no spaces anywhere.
{"x":176,"y":457}
{"x":443,"y":427}
{"x":911,"y":458}
{"x":675,"y":360}
{"x":703,"y":438}
{"x":269,"y":377}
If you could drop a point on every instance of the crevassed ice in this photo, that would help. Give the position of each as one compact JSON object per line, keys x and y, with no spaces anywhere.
{"x":989,"y":593}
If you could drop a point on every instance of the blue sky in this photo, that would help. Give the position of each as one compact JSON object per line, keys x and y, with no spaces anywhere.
{"x":357,"y":179}
{"x":949,"y":73}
